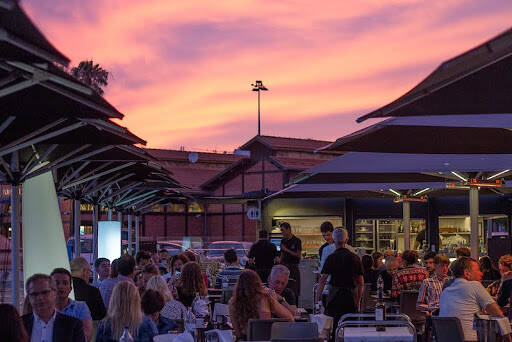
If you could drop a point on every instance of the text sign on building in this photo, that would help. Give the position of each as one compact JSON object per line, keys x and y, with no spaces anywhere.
{"x":253,"y":213}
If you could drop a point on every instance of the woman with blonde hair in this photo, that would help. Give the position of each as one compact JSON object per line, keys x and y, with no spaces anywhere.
{"x":190,"y":283}
{"x":124,"y":310}
{"x":252,"y":300}
{"x":173,"y":309}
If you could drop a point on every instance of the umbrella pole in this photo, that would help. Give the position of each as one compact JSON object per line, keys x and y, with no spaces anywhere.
{"x":129,"y":234}
{"x":136,"y":234}
{"x":76,"y":226}
{"x":406,"y":209}
{"x":473,"y":218}
{"x":120,"y":219}
{"x":15,"y":244}
{"x":95,"y":209}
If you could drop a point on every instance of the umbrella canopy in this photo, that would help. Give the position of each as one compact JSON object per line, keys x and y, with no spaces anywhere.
{"x":443,"y":134}
{"x":478,"y":81}
{"x":21,"y":40}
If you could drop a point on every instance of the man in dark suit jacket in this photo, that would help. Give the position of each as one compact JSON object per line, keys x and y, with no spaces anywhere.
{"x":45,"y":323}
{"x":81,"y":270}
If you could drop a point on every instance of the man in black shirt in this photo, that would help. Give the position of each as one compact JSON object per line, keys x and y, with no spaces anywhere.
{"x":346,"y":284}
{"x":326,"y":228}
{"x":420,"y":239}
{"x":291,"y":250}
{"x":262,"y":254}
{"x":81,"y":271}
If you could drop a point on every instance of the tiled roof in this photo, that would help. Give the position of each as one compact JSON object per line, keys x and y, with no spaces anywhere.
{"x":192,"y":177}
{"x":203,"y":157}
{"x":295,"y":144}
{"x":297,"y":164}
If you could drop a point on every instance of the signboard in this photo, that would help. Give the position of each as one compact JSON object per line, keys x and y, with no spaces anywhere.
{"x":254,"y":213}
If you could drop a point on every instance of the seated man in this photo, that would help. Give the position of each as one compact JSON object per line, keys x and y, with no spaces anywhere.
{"x":232,"y":270}
{"x":102,"y":267}
{"x":466,"y":296}
{"x":429,"y":263}
{"x":410,"y":277}
{"x":431,"y":288}
{"x":46,"y":323}
{"x":277,"y":282}
{"x":81,"y":270}
{"x":68,"y":306}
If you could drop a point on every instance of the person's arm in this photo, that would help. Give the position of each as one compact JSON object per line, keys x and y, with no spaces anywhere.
{"x":503,"y":296}
{"x":289,"y":251}
{"x":493,"y":309}
{"x":359,"y":290}
{"x":87,"y":324}
{"x":78,"y":332}
{"x":320,"y":288}
{"x":421,"y":302}
{"x":279,"y":310}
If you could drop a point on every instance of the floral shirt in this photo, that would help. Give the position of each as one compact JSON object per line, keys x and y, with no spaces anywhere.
{"x":174,"y":309}
{"x":409,"y":278}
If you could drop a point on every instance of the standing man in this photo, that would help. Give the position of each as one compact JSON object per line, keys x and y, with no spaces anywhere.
{"x":102,"y":267}
{"x":262,"y":254}
{"x":326,"y":228}
{"x":291,"y":250}
{"x":346,"y":284}
{"x":126,"y":270}
{"x":46,"y":323}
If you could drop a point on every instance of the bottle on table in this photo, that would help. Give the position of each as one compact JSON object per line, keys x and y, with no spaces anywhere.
{"x":380,"y":308}
{"x":126,"y":336}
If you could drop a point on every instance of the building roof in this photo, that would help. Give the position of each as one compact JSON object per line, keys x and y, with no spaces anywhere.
{"x":296,"y":163}
{"x":283,"y":143}
{"x":203,"y":157}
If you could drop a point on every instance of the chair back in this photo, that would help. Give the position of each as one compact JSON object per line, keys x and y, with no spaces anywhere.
{"x":447,"y":329}
{"x":227,"y":293}
{"x":294,"y":330}
{"x":220,"y":310}
{"x":260,"y":329}
{"x":408,"y":301}
{"x":367,"y":304}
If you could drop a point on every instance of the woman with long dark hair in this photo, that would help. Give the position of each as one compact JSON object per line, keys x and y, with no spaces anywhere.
{"x":11,"y":325}
{"x":252,"y":300}
{"x":190,"y":283}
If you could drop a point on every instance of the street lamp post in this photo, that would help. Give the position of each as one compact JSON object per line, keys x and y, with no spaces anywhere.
{"x":258,"y":86}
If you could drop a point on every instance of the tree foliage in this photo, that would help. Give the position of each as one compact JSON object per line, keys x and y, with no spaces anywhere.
{"x":91,"y":74}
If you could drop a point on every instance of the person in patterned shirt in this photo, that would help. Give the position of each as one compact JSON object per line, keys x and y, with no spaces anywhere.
{"x":431,"y":288}
{"x":410,"y":277}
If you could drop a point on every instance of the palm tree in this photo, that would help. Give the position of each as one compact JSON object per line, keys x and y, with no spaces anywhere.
{"x":91,"y":74}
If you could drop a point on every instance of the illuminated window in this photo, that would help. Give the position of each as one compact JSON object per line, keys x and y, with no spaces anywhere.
{"x":157,"y":208}
{"x":195,"y":207}
{"x":176,"y":208}
{"x":85,"y":207}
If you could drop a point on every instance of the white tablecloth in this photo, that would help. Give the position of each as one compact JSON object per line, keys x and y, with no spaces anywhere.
{"x":370,"y":334}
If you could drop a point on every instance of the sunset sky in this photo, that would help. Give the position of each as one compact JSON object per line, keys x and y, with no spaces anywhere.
{"x":182,"y":69}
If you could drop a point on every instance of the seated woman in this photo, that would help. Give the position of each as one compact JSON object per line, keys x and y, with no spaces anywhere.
{"x":251,"y":300}
{"x":124,"y":311}
{"x":172,"y":309}
{"x":190,"y":283}
{"x":370,"y":273}
{"x":152,"y":303}
{"x":387,"y":274}
{"x":505,"y":286}
{"x":489,"y":273}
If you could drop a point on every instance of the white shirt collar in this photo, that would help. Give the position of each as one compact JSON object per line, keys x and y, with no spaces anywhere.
{"x":38,"y":319}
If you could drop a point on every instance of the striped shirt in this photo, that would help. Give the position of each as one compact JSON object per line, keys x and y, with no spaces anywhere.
{"x":430,"y":291}
{"x":230,"y":273}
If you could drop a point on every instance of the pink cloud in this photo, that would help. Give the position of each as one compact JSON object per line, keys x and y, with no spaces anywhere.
{"x":182,"y":70}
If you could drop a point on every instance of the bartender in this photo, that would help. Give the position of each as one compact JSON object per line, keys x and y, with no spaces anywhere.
{"x":291,"y":250}
{"x":420,"y":239}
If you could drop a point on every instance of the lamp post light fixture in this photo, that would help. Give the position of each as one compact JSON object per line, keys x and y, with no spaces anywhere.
{"x":258,"y":86}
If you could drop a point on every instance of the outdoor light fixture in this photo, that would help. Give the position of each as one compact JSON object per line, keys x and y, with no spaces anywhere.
{"x":421,"y":191}
{"x":405,"y":198}
{"x":258,"y":86}
{"x":395,"y":192}
{"x":486,"y":184}
{"x":497,"y":174}
{"x":459,"y":176}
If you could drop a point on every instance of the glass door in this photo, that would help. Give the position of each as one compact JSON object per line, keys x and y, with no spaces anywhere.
{"x":364,"y":235}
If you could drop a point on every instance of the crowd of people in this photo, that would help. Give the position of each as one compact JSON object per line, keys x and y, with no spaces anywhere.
{"x":152,"y":294}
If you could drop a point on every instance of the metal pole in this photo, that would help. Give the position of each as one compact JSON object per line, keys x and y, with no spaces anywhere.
{"x":109,"y":215}
{"x":15,"y":244}
{"x":95,"y":213}
{"x":259,"y":125}
{"x":136,"y":233}
{"x":473,"y":218}
{"x":76,"y":226}
{"x":406,"y":208}
{"x":129,"y":234}
{"x":120,"y":219}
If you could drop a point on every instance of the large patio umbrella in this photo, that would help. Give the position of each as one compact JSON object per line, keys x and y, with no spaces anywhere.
{"x":455,"y":134}
{"x":21,"y":40}
{"x":365,"y":167}
{"x":478,"y":81}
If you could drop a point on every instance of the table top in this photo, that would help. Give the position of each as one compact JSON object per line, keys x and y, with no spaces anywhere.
{"x":370,"y":334}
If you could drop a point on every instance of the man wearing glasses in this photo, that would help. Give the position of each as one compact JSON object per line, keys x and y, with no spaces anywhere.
{"x":45,"y":324}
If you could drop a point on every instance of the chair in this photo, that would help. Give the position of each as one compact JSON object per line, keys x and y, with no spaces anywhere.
{"x":220,"y":310}
{"x":260,"y":329}
{"x":367,"y":302}
{"x":408,"y":299}
{"x":447,"y":329}
{"x":227,"y":293}
{"x":294,"y":330}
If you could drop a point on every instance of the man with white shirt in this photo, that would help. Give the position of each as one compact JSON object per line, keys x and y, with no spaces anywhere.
{"x":466,"y":296}
{"x":46,"y":324}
